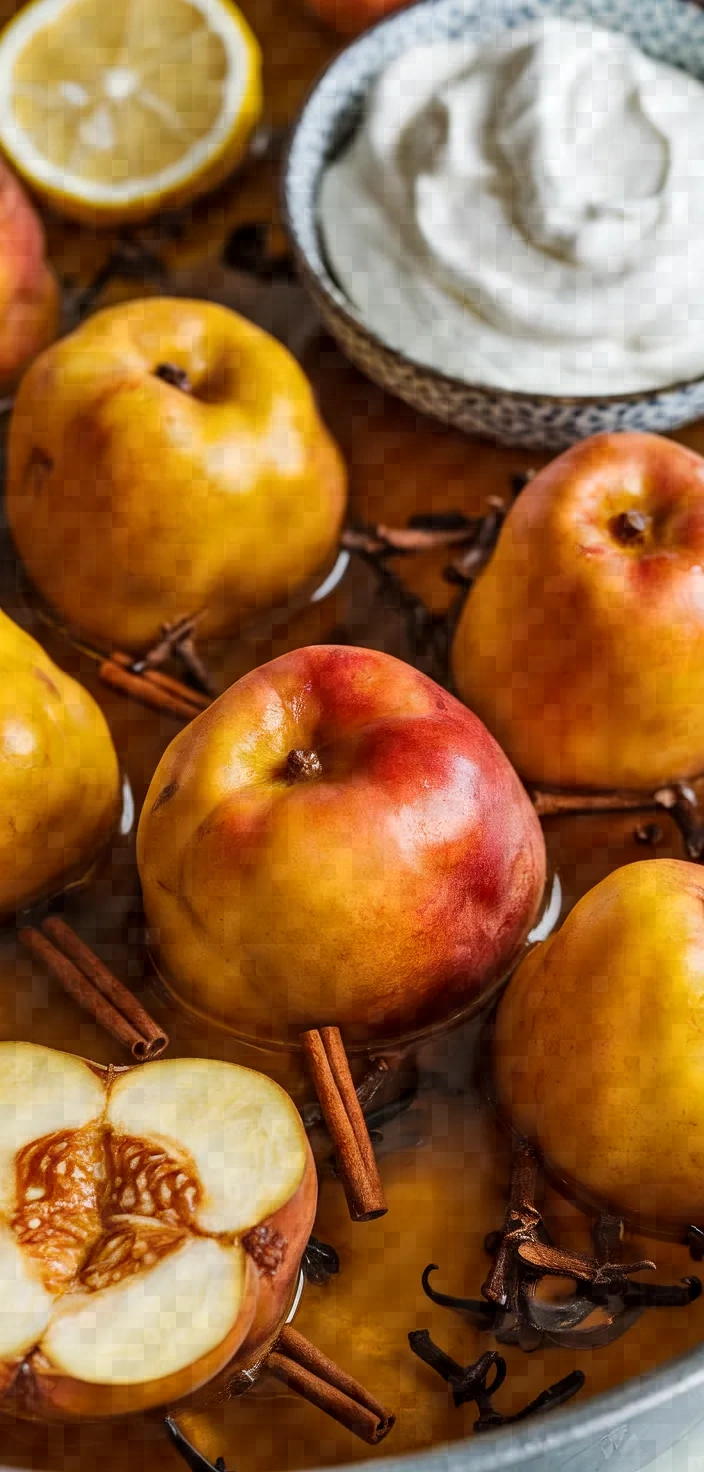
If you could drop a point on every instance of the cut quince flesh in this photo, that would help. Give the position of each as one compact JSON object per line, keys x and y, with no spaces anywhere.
{"x":125,"y":1203}
{"x":114,"y":112}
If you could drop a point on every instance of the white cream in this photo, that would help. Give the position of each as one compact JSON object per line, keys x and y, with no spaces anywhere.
{"x":529,"y":213}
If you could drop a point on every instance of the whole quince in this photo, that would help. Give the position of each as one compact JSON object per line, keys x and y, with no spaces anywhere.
{"x":29,"y":295}
{"x":598,"y":1046}
{"x":59,"y":774}
{"x":581,"y":645}
{"x":338,"y":841}
{"x":167,"y":459}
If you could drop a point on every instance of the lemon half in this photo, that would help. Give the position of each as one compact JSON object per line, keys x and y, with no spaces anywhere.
{"x":114,"y":111}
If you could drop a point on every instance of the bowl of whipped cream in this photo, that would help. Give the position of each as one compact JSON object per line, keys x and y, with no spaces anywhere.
{"x":498,"y":209}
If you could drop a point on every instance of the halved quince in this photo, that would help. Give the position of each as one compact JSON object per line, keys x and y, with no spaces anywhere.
{"x":152,"y":1223}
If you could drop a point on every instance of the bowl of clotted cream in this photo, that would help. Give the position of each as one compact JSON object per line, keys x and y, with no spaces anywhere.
{"x":498,"y":209}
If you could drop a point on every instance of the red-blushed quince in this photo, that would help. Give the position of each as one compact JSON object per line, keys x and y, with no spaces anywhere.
{"x":59,"y":774}
{"x":598,"y":1046}
{"x":152,"y":1223}
{"x":167,"y":459}
{"x":337,"y":841}
{"x":29,"y":295}
{"x":582,"y":643}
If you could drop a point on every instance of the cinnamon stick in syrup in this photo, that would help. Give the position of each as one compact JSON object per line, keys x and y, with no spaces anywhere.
{"x":152,"y":688}
{"x":342,"y":1112}
{"x":89,"y":982}
{"x":303,"y":1367}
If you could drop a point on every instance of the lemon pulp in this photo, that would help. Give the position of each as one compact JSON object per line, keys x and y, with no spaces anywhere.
{"x":116,"y":111}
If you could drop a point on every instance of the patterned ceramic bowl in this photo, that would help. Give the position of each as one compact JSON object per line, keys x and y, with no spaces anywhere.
{"x":672,"y":30}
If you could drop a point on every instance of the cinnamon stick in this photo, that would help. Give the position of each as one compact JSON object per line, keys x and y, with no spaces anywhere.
{"x":342,"y":1112}
{"x":372,"y":1082}
{"x":149,"y":688}
{"x":404,"y":539}
{"x":552,"y":804}
{"x":172,"y":636}
{"x":157,"y":677}
{"x":319,"y":1380}
{"x":366,"y":1090}
{"x":198,"y":670}
{"x":89,"y":982}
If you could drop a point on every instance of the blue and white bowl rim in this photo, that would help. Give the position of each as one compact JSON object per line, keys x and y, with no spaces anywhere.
{"x":670,"y":30}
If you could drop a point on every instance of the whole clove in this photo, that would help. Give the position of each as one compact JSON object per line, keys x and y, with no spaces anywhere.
{"x":522,"y":1223}
{"x":473,"y":1382}
{"x":178,"y":641}
{"x":680,"y":801}
{"x":373,"y":1080}
{"x":429,"y":634}
{"x":548,"y":1400}
{"x":695,"y":1242}
{"x":648,"y":833}
{"x":185,"y":1448}
{"x":143,"y":678}
{"x":131,"y":259}
{"x":379,"y":1073}
{"x":442,"y":521}
{"x":384,"y":1114}
{"x":467,"y":1382}
{"x":520,"y":481}
{"x":487,"y":1314}
{"x":366,"y":1090}
{"x":523,"y":1255}
{"x":644,"y":1295}
{"x":469,"y":564}
{"x":388,"y":540}
{"x":250,"y":249}
{"x":604,"y":1281}
{"x":320,"y":1262}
